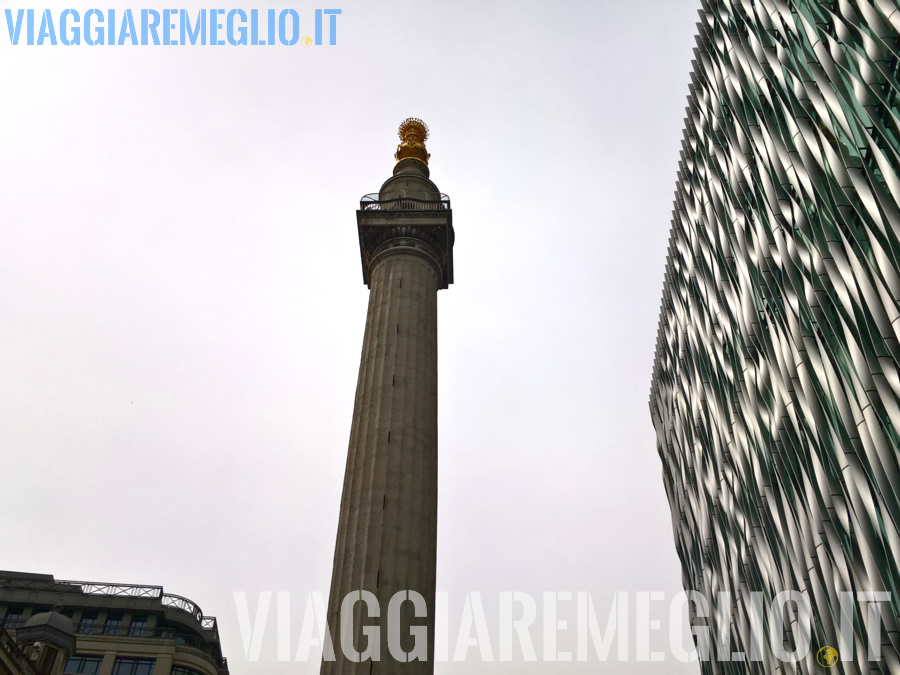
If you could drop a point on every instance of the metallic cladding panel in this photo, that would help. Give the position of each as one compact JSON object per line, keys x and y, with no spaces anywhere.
{"x":776,"y":386}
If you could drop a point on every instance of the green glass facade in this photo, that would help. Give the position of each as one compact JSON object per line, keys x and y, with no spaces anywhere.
{"x":776,"y":384}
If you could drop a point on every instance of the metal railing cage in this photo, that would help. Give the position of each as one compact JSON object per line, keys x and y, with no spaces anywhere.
{"x":373,"y":202}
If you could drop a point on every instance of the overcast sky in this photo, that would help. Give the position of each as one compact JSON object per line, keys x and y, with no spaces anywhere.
{"x":182,"y":306}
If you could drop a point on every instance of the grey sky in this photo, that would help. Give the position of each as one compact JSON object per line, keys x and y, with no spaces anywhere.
{"x":182,"y":305}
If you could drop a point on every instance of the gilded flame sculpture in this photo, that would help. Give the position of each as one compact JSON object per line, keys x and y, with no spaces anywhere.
{"x":413,"y":134}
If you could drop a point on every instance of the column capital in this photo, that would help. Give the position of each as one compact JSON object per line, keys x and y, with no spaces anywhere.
{"x":391,"y":227}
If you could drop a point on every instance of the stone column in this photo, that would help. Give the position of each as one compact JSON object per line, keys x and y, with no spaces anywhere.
{"x":387,"y":532}
{"x":109,"y":661}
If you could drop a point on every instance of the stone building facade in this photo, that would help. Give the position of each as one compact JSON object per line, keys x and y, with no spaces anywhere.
{"x":113,"y":629}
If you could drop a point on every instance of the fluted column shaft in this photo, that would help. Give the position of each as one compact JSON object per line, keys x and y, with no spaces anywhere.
{"x":387,"y":533}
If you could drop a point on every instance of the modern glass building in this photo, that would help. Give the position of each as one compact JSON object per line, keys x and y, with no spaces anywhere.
{"x":776,"y":384}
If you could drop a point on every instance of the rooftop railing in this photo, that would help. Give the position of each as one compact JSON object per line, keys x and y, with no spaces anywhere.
{"x":120,"y":590}
{"x":373,"y":202}
{"x":185,"y":605}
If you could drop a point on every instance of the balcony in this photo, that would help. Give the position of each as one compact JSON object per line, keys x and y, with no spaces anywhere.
{"x":150,"y":633}
{"x":372,"y":202}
